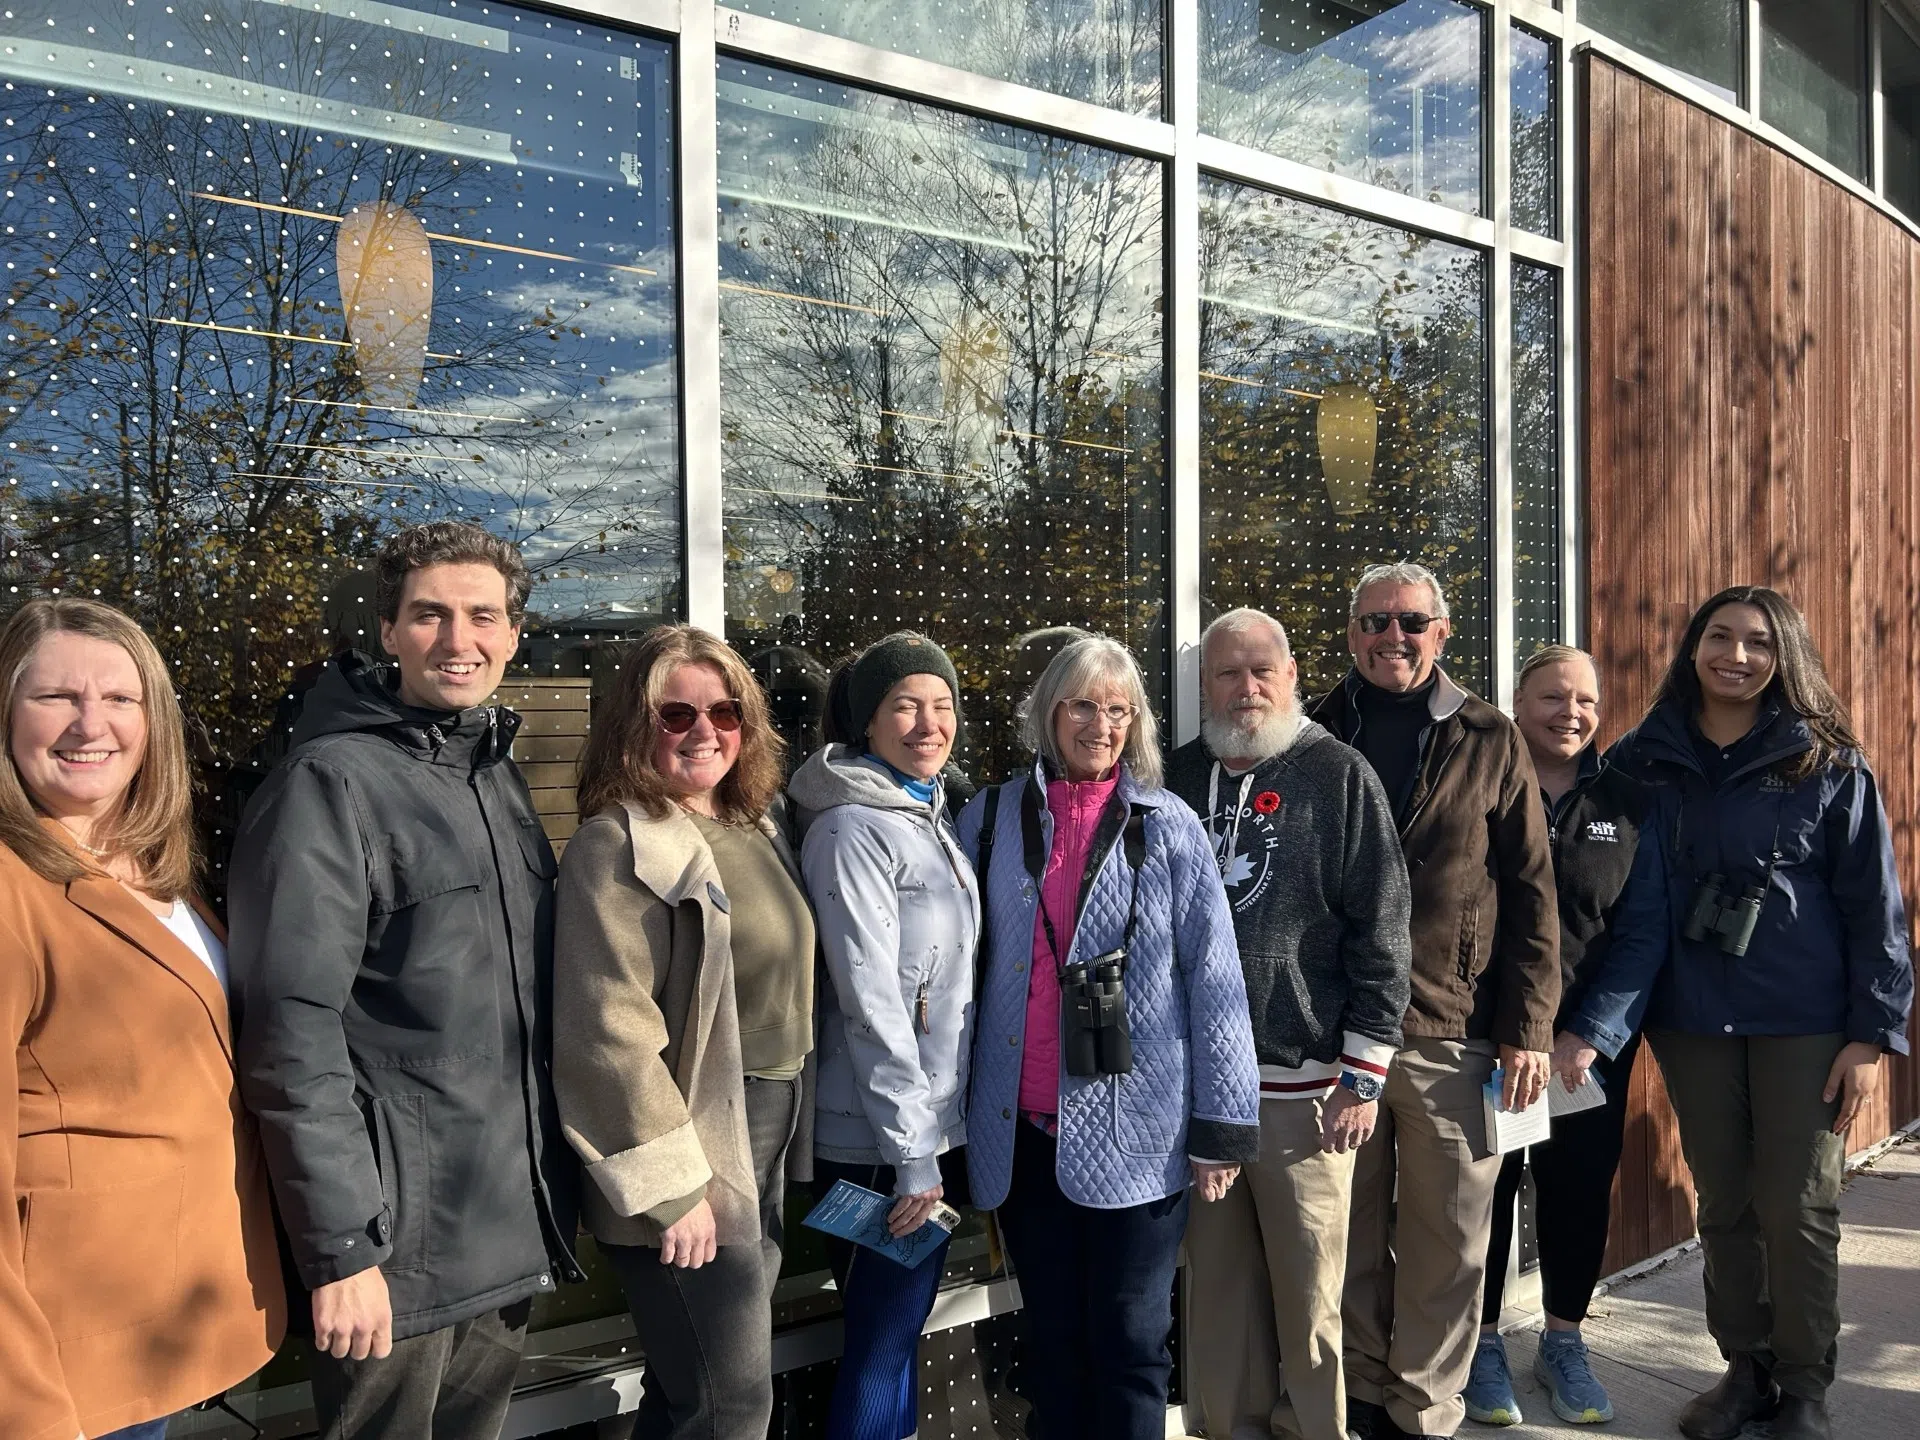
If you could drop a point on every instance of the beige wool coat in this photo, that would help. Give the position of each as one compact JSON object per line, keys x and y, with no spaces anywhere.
{"x":646,"y":1031}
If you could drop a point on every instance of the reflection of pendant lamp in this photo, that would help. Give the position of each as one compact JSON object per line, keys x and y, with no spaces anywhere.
{"x":1347,"y":431}
{"x":386,"y":287}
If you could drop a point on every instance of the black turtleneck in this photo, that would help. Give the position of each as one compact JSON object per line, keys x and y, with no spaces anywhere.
{"x":1391,"y":726}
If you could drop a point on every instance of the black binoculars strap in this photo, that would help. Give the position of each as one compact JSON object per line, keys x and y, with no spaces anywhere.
{"x":1121,"y":822}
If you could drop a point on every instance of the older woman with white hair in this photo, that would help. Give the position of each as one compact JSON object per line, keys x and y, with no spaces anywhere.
{"x":1114,"y":1062}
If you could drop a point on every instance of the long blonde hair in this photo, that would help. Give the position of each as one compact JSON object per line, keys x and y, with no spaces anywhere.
{"x":155,"y":824}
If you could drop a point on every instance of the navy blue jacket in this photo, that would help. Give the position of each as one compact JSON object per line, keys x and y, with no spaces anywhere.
{"x":1830,"y":953}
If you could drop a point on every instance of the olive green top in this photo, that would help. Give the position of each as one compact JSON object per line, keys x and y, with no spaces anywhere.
{"x":773,"y":949}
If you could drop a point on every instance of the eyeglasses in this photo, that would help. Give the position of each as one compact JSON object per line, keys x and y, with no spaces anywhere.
{"x":1082,"y":712}
{"x":1412,"y":622}
{"x":677,"y":718}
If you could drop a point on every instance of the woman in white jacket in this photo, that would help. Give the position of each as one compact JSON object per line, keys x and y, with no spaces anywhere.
{"x":898,"y":913}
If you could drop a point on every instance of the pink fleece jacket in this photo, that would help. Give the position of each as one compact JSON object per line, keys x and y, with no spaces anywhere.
{"x":1076,"y":808}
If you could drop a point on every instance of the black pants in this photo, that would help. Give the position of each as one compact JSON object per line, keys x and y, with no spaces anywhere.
{"x":708,"y":1333}
{"x":1097,"y":1288}
{"x":1573,"y":1196}
{"x":451,"y":1384}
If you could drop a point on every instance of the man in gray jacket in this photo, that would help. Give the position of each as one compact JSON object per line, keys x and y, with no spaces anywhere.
{"x":1305,"y":842}
{"x":392,"y":951}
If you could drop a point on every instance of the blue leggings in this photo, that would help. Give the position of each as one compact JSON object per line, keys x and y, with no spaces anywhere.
{"x":876,"y":1391}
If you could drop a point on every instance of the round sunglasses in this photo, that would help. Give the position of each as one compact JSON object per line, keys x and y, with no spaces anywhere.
{"x":677,"y":718}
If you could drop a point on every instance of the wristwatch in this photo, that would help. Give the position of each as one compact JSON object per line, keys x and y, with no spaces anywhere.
{"x":1367,"y":1087}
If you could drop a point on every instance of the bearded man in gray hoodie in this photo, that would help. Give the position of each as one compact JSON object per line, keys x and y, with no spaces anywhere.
{"x":1306,"y":844}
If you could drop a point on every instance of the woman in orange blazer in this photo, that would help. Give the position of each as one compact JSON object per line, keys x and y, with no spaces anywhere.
{"x":138,"y":1270}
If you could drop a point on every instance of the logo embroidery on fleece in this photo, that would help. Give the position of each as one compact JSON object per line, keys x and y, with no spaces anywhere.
{"x":1247,"y":872}
{"x":1602,"y":830}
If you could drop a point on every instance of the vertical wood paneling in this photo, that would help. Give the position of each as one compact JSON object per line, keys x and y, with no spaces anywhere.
{"x":1752,"y":414}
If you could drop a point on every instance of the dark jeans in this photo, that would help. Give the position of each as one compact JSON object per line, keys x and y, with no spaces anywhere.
{"x":707,"y":1334}
{"x":1572,"y":1198}
{"x":150,"y":1430}
{"x":1097,"y":1288}
{"x":1766,"y":1170}
{"x":451,"y":1384}
{"x":885,"y":1305}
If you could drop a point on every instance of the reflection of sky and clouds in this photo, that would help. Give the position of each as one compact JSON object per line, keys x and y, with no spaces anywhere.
{"x":936,"y":331}
{"x":264,"y":131}
{"x":1104,"y":51}
{"x":1342,"y":372}
{"x":1377,"y":90}
{"x":1535,"y":136}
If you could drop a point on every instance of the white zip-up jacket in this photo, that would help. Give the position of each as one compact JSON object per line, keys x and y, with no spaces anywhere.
{"x":898,"y":912}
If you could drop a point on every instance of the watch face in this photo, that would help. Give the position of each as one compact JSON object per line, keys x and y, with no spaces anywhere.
{"x":1367,"y":1087}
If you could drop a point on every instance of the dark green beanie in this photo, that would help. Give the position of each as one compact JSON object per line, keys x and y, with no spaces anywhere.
{"x":884,"y":665}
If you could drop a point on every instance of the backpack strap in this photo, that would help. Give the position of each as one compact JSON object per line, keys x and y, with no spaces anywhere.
{"x":982,"y":863}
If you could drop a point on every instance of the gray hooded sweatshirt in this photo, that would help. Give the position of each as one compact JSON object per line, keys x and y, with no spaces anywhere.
{"x":898,"y":912}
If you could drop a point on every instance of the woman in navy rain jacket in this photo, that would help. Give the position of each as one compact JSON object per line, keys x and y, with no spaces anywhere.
{"x":1090,"y":1172}
{"x":1790,"y":976}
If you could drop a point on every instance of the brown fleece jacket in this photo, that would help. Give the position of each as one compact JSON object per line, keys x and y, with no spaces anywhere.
{"x":1486,"y":928}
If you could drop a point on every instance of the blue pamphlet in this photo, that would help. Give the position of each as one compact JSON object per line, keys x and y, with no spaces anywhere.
{"x":860,"y":1215}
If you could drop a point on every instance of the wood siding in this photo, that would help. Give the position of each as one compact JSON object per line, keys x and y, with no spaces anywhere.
{"x":1752,"y":396}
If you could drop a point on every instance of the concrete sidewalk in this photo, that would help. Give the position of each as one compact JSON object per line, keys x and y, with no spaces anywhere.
{"x":1651,"y":1349}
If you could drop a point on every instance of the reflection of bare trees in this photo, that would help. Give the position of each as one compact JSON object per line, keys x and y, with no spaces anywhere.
{"x":941,"y":370}
{"x":1301,"y":300}
{"x":190,"y":424}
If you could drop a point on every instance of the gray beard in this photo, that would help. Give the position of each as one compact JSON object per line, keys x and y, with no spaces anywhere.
{"x":1273,"y":736}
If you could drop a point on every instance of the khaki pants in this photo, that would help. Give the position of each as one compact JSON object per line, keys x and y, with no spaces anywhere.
{"x":1266,"y":1265}
{"x":1416,"y":1265}
{"x":1767,"y":1169}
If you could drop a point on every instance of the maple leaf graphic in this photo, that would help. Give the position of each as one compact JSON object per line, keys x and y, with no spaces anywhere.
{"x":1239,"y":871}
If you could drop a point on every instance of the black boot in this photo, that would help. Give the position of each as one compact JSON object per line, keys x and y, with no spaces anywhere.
{"x":1746,"y":1392}
{"x":1801,"y":1419}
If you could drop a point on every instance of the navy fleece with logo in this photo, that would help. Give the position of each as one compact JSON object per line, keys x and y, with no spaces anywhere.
{"x":1830,"y":953}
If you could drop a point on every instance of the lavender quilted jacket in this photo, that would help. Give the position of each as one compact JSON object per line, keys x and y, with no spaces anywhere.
{"x":1195,"y":1087}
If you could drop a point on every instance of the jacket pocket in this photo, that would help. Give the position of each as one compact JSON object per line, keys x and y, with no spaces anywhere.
{"x":1469,"y":942}
{"x":536,"y":848}
{"x":104,"y":1258}
{"x":399,"y":1130}
{"x":1150,"y":1105}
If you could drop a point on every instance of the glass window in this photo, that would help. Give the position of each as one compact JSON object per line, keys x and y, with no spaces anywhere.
{"x":1900,"y":84}
{"x":1536,"y":134}
{"x":1536,"y":459}
{"x":1108,"y":52}
{"x":282,"y":280}
{"x":1385,"y":91}
{"x":1702,"y":39}
{"x":1343,"y":375}
{"x":1813,"y":82}
{"x":941,"y":393}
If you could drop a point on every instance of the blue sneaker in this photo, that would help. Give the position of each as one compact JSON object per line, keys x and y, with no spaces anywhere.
{"x":1489,"y":1392}
{"x":1561,"y":1366}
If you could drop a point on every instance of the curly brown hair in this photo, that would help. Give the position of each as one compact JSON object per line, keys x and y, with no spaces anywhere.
{"x":447,"y":542}
{"x":617,"y":767}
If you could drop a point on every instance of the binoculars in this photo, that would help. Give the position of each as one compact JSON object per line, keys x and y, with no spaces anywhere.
{"x":1094,"y":1037}
{"x":1727,"y":920}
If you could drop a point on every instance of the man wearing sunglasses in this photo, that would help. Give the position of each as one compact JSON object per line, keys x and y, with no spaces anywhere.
{"x":1486,"y":983}
{"x":391,"y":908}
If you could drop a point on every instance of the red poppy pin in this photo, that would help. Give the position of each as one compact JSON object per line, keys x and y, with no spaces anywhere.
{"x":1266,"y":802}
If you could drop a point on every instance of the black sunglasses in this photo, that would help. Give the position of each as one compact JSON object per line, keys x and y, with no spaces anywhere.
{"x":1412,"y":622}
{"x":677,"y":718}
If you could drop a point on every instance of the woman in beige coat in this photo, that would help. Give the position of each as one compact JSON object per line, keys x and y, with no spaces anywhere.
{"x":683,"y":1018}
{"x":138,"y":1273}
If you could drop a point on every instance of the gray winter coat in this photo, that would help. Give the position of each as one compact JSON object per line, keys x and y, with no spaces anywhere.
{"x":1321,"y":905}
{"x":898,"y":913}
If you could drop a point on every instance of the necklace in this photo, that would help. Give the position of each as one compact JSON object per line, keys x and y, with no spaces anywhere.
{"x":97,"y":854}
